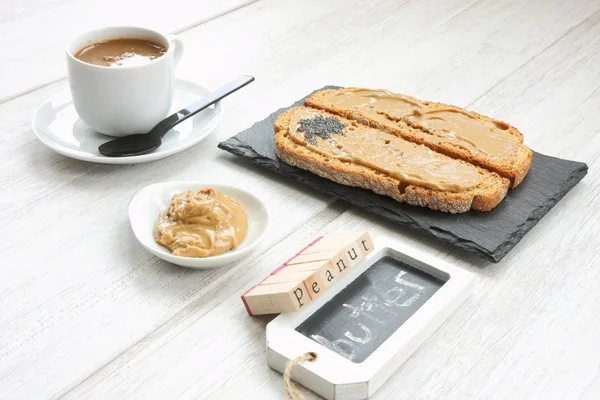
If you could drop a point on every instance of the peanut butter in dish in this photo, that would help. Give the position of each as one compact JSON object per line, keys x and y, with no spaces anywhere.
{"x":201,"y":224}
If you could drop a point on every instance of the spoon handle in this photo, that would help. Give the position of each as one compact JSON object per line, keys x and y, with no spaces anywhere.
{"x":192,"y":109}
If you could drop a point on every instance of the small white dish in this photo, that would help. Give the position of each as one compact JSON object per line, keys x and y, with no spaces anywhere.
{"x":57,"y":125}
{"x":148,"y":202}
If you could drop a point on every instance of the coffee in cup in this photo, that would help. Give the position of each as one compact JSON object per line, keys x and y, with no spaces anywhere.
{"x":121,"y":52}
{"x":122,"y":78}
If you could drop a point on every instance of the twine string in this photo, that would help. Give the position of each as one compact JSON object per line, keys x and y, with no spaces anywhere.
{"x":291,"y":388}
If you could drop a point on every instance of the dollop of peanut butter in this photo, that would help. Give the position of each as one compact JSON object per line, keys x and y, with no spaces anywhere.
{"x":201,"y":224}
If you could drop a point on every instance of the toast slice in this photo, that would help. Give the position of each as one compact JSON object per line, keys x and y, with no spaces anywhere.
{"x":487,"y":192}
{"x":453,"y":131}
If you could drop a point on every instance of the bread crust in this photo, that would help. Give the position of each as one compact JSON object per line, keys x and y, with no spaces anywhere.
{"x":350,"y":174}
{"x":514,"y":169}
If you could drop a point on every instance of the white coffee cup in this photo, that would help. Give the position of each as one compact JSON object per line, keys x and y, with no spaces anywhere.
{"x":120,"y":101}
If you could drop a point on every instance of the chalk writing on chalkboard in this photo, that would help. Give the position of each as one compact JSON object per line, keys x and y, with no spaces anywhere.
{"x":356,"y":321}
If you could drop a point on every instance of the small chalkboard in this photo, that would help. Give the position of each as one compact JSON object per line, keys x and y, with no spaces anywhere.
{"x":368,"y":323}
{"x":369,"y":310}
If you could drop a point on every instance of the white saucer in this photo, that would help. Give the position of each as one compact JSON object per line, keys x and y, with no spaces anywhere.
{"x":147,"y":203}
{"x":57,"y":125}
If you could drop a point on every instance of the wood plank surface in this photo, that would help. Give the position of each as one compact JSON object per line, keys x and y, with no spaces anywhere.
{"x":87,"y":313}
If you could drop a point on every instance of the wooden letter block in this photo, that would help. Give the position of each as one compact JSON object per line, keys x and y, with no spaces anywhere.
{"x":306,"y":275}
{"x":320,"y":280}
{"x":365,"y":243}
{"x":276,"y":298}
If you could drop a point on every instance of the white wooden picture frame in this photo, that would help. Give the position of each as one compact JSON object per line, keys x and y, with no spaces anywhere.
{"x":336,"y":377}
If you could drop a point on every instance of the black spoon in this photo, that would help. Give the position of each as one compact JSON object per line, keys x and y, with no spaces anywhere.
{"x":142,"y":143}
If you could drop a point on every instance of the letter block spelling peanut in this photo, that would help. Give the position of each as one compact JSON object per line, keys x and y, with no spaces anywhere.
{"x":306,"y":275}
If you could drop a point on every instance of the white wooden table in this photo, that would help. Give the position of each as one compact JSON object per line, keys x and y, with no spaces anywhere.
{"x":85,"y":312}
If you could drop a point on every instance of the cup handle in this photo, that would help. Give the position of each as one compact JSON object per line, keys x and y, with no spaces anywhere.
{"x":178,"y":51}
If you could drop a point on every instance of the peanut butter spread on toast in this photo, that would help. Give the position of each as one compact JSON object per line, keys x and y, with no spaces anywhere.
{"x":408,"y":162}
{"x":201,"y":224}
{"x":447,"y":125}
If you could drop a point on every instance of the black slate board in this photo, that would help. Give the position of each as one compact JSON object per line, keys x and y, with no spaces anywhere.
{"x":490,"y":235}
{"x":357,"y":320}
